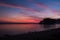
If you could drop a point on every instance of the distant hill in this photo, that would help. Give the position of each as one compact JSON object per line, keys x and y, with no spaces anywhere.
{"x":50,"y":21}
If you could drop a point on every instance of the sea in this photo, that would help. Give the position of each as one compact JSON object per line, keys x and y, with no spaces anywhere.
{"x":15,"y":29}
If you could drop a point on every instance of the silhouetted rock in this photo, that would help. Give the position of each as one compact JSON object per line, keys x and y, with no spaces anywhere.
{"x":58,"y":21}
{"x":48,"y":21}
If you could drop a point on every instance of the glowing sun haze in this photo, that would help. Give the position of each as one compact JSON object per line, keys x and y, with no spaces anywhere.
{"x":28,"y":11}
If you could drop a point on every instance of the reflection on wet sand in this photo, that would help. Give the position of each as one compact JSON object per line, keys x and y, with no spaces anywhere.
{"x":13,"y":29}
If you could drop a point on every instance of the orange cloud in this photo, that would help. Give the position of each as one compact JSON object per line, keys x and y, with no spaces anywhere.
{"x":23,"y":20}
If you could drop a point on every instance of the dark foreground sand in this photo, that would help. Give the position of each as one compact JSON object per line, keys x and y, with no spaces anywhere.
{"x":53,"y":34}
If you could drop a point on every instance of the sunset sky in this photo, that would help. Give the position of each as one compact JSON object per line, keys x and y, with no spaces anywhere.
{"x":28,"y":11}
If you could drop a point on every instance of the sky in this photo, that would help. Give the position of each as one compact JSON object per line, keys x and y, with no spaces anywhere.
{"x":28,"y":11}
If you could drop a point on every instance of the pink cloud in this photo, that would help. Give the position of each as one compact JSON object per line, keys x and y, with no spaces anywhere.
{"x":17,"y":6}
{"x":12,"y":6}
{"x":57,"y":3}
{"x":53,"y":10}
{"x":30,"y":0}
{"x":25,"y":9}
{"x":31,"y":16}
{"x":41,"y":5}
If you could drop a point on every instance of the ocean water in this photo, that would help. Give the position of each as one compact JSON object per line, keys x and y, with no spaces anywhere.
{"x":14,"y":29}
